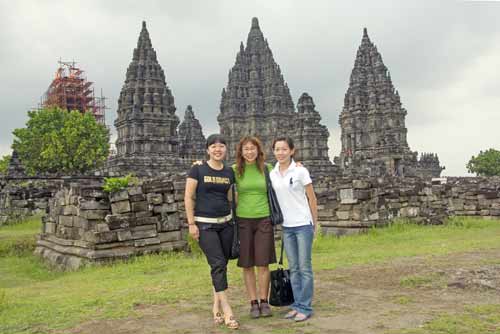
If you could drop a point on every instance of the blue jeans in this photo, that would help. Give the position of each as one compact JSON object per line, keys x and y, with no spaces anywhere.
{"x":298,"y":244}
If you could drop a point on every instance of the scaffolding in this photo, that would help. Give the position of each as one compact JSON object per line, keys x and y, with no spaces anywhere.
{"x":70,"y":90}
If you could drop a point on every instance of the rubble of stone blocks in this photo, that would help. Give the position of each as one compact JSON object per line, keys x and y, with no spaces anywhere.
{"x":86,"y":225}
{"x":350,"y":205}
{"x":21,"y":198}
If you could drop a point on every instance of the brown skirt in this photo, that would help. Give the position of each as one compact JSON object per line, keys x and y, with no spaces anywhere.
{"x":256,"y":242}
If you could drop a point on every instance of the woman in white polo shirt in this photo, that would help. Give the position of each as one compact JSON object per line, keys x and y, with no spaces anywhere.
{"x":297,"y":200}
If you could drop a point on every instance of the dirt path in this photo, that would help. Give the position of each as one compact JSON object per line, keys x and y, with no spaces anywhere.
{"x":362,"y":299}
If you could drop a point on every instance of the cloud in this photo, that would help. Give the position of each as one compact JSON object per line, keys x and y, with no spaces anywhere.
{"x":442,"y":57}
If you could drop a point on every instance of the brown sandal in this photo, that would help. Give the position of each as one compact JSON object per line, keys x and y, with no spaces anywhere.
{"x":232,"y":323}
{"x":218,"y":319}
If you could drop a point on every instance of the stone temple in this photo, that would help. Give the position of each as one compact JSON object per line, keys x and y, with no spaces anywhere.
{"x":147,"y":124}
{"x":191,"y":138}
{"x":373,"y":123}
{"x":257,"y":102}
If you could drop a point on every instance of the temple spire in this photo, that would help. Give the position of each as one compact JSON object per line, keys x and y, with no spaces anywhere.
{"x":255,"y":23}
{"x":373,"y":120}
{"x":145,"y":102}
{"x":191,"y":138}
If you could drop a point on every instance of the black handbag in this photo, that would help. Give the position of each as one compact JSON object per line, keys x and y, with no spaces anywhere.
{"x":274,"y":205}
{"x":281,"y":286}
{"x":235,"y":247}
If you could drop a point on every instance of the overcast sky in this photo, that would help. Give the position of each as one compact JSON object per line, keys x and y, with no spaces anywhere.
{"x":444,"y":58}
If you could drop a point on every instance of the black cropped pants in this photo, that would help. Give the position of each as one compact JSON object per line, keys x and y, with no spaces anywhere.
{"x":216,"y":241}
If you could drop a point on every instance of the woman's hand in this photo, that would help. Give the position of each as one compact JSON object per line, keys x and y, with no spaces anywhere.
{"x":194,"y":232}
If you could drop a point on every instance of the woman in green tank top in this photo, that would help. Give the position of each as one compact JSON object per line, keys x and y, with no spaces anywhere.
{"x":255,"y":228}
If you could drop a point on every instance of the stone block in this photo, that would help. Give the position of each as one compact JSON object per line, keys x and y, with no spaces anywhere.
{"x":165,"y":207}
{"x":456,"y":204}
{"x":41,"y":205}
{"x":360,"y":184}
{"x":356,"y":214}
{"x":93,"y":193}
{"x":409,"y":211}
{"x":394,"y":205}
{"x":50,"y":228}
{"x":347,"y":196}
{"x":66,"y":221}
{"x":146,"y":242}
{"x":170,"y":236}
{"x":470,"y":207}
{"x":69,"y":210}
{"x":136,"y":190}
{"x":118,"y":196}
{"x":105,"y":237}
{"x":139,"y":206}
{"x":20,"y":203}
{"x":495,"y":212}
{"x":343,"y":215}
{"x":148,"y":231}
{"x":102,"y":227}
{"x":169,"y":198}
{"x":90,"y":236}
{"x":484,"y":212}
{"x":142,"y":214}
{"x":83,"y":223}
{"x":88,"y":204}
{"x":158,"y":187}
{"x":120,"y":207}
{"x":137,"y":198}
{"x":120,"y":221}
{"x":362,"y":194}
{"x":374,"y":216}
{"x":146,"y":221}
{"x":155,"y":199}
{"x":124,"y":235}
{"x":93,"y":214}
{"x":325,"y":213}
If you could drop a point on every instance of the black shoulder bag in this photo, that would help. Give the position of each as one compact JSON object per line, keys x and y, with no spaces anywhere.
{"x":281,"y":287}
{"x":274,"y":205}
{"x":235,"y":247}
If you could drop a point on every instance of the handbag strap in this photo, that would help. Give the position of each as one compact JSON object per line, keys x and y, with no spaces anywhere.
{"x":233,"y":202}
{"x":268,"y":179}
{"x":281,"y":252}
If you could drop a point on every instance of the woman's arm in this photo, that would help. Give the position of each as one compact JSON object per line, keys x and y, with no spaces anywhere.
{"x":189,"y":203}
{"x":313,"y":203}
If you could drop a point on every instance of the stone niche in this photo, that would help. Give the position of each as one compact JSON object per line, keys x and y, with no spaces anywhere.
{"x":86,"y":225}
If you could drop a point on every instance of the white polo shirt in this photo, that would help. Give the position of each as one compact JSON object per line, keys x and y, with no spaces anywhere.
{"x":291,"y":193}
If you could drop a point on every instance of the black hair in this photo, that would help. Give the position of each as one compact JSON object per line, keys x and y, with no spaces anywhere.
{"x":215,"y":138}
{"x":288,"y":140}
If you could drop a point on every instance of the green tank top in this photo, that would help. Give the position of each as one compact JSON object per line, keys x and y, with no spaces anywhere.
{"x":252,"y":192}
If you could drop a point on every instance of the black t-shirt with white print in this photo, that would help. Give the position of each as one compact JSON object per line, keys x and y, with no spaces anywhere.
{"x":212,"y":189}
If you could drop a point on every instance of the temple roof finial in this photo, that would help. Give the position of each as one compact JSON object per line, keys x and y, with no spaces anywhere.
{"x":255,"y":23}
{"x":365,"y":32}
{"x":143,"y":24}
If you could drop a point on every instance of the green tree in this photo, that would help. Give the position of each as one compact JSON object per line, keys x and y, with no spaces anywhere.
{"x":4,"y":163}
{"x":57,"y":141}
{"x":487,"y":163}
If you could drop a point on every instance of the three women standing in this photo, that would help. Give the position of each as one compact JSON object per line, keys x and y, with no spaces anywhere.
{"x":209,"y":216}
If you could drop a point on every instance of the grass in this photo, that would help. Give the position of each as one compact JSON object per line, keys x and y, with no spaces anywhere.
{"x":35,"y":299}
{"x":483,"y":319}
{"x":19,"y":239}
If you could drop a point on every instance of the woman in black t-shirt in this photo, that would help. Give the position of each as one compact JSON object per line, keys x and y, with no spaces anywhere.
{"x":208,"y":213}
